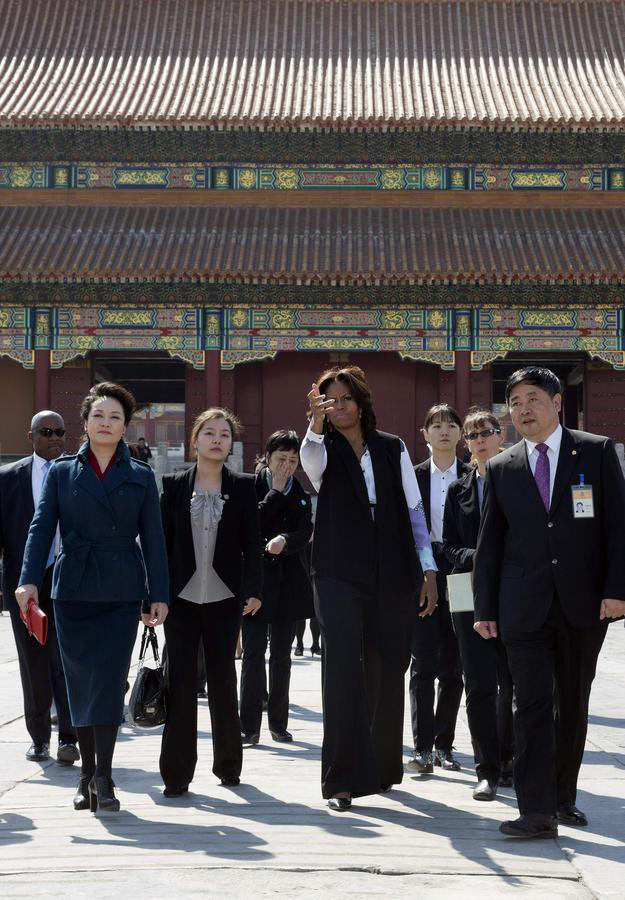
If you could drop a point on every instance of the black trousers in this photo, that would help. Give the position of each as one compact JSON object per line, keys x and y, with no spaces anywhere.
{"x":435,"y":655}
{"x":41,"y":673}
{"x":300,"y":628}
{"x":366,"y":641}
{"x":217,"y":626}
{"x":549,"y":747}
{"x":255,"y":635}
{"x":489,"y":703}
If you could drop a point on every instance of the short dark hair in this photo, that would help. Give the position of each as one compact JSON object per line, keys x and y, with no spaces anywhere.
{"x":442,"y":412}
{"x":283,"y":439}
{"x":114,"y":392}
{"x":539,"y":376}
{"x":354,"y":378}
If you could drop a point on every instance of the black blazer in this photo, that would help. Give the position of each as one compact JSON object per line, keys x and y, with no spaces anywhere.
{"x":287,"y":592}
{"x":461,"y":523}
{"x":422,"y":471}
{"x":16,"y":512}
{"x":238,"y":551}
{"x":526,"y":555}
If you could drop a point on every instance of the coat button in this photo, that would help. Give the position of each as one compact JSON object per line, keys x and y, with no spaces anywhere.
{"x":113,"y":527}
{"x":75,"y":493}
{"x":555,"y":562}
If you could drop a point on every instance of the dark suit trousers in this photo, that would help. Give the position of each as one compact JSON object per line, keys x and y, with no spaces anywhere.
{"x":366,"y":653}
{"x":42,"y":675}
{"x":548,"y":748}
{"x":435,"y":655}
{"x":482,"y":662}
{"x":255,"y":636}
{"x":217,"y":626}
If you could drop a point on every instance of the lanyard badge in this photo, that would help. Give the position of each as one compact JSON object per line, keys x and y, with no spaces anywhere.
{"x":583,"y":505}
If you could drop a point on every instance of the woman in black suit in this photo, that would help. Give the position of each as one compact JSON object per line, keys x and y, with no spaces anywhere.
{"x":210,"y":519}
{"x":369,"y":547}
{"x":102,"y":500}
{"x":286,"y":525}
{"x":484,"y":664}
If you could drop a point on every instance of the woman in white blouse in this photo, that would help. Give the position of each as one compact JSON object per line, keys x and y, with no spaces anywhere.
{"x":371,"y":554}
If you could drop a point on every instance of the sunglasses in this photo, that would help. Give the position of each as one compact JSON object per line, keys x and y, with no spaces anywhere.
{"x":48,"y":432}
{"x":487,"y":432}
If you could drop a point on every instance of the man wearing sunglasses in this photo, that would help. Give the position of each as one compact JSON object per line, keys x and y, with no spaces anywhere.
{"x":41,"y":671}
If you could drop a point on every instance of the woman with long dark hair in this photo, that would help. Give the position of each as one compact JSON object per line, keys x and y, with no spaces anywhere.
{"x":370,"y":549}
{"x":102,"y":501}
{"x":286,"y":525}
{"x":210,"y":519}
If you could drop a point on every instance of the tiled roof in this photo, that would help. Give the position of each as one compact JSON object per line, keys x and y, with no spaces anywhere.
{"x":62,"y":244}
{"x":313,"y":63}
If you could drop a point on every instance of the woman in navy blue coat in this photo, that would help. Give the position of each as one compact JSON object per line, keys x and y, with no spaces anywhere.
{"x":101,"y":499}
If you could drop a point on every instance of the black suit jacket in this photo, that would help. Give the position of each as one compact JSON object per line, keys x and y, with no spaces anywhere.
{"x":461,"y":523}
{"x":238,"y":551}
{"x":525,"y":555}
{"x":422,"y":471}
{"x":287,"y":592}
{"x":16,"y":513}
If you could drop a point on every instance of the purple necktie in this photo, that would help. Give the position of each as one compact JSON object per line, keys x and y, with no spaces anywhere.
{"x":541,"y":474}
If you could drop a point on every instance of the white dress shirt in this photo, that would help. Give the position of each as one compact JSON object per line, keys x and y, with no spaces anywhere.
{"x":314,"y":460}
{"x":553,"y":443}
{"x":439,"y":485}
{"x":37,"y":479}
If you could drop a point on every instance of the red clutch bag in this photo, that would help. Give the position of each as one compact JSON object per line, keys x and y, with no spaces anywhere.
{"x":36,"y":621}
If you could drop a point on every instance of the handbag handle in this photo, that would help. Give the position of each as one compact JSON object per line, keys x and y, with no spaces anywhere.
{"x":149,"y":638}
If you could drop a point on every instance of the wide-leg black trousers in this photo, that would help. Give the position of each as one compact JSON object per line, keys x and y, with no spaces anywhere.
{"x":366,"y":641}
{"x":217,"y":626}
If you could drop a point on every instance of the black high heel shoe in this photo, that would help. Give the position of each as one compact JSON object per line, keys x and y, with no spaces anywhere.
{"x":102,"y":794}
{"x":81,"y":797}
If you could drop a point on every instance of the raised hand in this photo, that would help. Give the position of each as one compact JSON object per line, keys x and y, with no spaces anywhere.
{"x":318,"y":408}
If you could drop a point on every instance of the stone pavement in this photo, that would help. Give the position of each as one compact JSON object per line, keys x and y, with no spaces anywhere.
{"x":275,"y":835}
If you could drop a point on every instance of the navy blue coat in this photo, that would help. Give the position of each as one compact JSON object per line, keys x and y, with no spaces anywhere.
{"x":100,"y":558}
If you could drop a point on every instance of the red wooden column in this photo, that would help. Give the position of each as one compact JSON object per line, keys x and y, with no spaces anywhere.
{"x":42,"y":380}
{"x":212,"y":377}
{"x":463,"y":381}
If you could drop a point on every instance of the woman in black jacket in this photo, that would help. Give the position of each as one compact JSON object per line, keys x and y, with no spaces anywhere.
{"x":286,"y":525}
{"x":370,"y":549}
{"x":210,"y":519}
{"x":488,"y":684}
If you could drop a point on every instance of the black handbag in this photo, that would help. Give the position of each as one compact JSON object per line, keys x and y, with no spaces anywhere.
{"x":146,"y":707}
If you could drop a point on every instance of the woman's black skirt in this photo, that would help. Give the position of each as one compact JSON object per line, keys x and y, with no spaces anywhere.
{"x":96,"y":641}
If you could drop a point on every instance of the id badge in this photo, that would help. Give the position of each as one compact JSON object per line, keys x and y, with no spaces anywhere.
{"x":583,"y":506}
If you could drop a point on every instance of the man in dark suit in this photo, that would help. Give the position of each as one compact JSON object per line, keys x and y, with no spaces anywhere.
{"x":549,"y":578}
{"x":435,"y":653}
{"x":41,"y":670}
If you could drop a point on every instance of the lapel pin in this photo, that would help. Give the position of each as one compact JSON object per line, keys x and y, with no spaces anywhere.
{"x":574,"y":452}
{"x":226,"y":497}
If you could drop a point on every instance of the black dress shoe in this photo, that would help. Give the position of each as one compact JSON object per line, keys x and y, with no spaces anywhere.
{"x":385,"y":788}
{"x":569,"y":814}
{"x":81,"y":797}
{"x":446,"y":760}
{"x":282,"y":737}
{"x":38,"y":752}
{"x":506,"y":778}
{"x":174,"y":790}
{"x":250,"y":739}
{"x":102,"y":794}
{"x":529,"y":827}
{"x":315,"y":649}
{"x":485,"y":790}
{"x":67,"y":753}
{"x":299,"y":651}
{"x":340,"y":804}
{"x":230,"y":781}
{"x":421,"y":763}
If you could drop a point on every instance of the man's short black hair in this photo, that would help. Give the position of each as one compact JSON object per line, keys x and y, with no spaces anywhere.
{"x":537,"y":375}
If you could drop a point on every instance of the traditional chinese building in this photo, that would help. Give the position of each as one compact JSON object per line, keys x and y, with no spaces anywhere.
{"x":210,"y":200}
